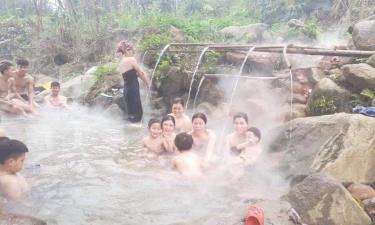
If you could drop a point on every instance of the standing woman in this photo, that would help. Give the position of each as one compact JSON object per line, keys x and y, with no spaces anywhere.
{"x":130,"y":71}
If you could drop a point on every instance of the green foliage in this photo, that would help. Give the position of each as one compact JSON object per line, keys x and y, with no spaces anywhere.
{"x":105,"y":69}
{"x":311,"y":28}
{"x":364,"y":98}
{"x":154,"y":41}
{"x":323,"y":105}
{"x":211,"y":61}
{"x":162,"y":69}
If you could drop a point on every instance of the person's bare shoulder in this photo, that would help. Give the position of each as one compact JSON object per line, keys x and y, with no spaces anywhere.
{"x":10,"y":186}
{"x":29,"y":78}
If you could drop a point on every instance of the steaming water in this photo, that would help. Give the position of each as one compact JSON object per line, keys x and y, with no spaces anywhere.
{"x":92,"y":172}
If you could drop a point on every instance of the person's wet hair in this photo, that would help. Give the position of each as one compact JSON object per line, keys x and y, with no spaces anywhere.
{"x":22,"y":62}
{"x":241,"y":115}
{"x":55,"y":84}
{"x":152,"y":121}
{"x":178,"y":101}
{"x":256,"y":132}
{"x":183,"y":141}
{"x":123,"y":46}
{"x":166,"y":118}
{"x":11,"y":148}
{"x":201,"y":116}
{"x":4,"y":65}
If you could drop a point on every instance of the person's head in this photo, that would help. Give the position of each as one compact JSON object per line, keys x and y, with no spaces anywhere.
{"x":6,"y":68}
{"x":55,"y":88}
{"x":240,"y":122}
{"x":12,"y":154}
{"x":178,"y":107}
{"x":183,"y":141}
{"x":125,"y":48}
{"x":22,"y":67}
{"x":168,"y":124}
{"x":254,"y":133}
{"x":199,"y":121}
{"x":154,"y":127}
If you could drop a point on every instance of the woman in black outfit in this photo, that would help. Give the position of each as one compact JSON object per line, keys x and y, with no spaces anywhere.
{"x":130,"y":71}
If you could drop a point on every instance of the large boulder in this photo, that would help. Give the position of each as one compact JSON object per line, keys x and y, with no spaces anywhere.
{"x":336,"y":144}
{"x":360,"y":75}
{"x":174,"y":81}
{"x":78,"y":87}
{"x":103,"y":86}
{"x":371,"y":60}
{"x":327,"y":98}
{"x":364,"y":35}
{"x":320,"y":199}
{"x":250,"y":33}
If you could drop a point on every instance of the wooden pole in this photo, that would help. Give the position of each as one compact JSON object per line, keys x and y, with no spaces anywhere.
{"x":292,"y":49}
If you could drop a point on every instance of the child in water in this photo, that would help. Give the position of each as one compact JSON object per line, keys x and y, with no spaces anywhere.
{"x":186,"y":162}
{"x":183,"y":123}
{"x":154,"y":142}
{"x":168,"y":125}
{"x":250,"y":149}
{"x":12,"y":155}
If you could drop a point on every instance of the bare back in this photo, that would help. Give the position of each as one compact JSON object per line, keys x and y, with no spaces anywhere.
{"x":188,"y":164}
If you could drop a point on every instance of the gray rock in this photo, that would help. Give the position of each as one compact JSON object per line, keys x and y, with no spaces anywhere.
{"x":371,"y":60}
{"x":174,"y":82}
{"x":336,"y":144}
{"x":250,"y":33}
{"x":320,"y":199}
{"x":327,"y":98}
{"x":295,"y":23}
{"x":364,"y":35}
{"x":360,"y":75}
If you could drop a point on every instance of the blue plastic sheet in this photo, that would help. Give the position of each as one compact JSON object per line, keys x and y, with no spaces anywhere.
{"x":368,"y":111}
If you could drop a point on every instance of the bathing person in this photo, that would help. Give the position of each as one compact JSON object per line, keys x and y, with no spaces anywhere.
{"x":186,"y":161}
{"x":12,"y":155}
{"x":183,"y":122}
{"x":154,"y":142}
{"x":240,"y":123}
{"x":204,"y":139}
{"x":24,"y":83}
{"x":130,"y":71}
{"x":250,"y":149}
{"x":8,"y":101}
{"x":168,"y":125}
{"x":55,"y":99}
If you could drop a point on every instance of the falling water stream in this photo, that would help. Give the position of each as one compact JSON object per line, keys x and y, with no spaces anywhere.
{"x":194,"y":73}
{"x":157,"y":63}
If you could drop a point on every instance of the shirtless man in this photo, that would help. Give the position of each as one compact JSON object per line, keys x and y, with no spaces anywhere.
{"x":12,"y":155}
{"x":24,"y":83}
{"x":55,"y":99}
{"x":8,"y":101}
{"x":187,"y":162}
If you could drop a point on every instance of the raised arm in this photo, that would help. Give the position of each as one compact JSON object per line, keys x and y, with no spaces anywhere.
{"x":140,"y":71}
{"x":30,"y":90}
